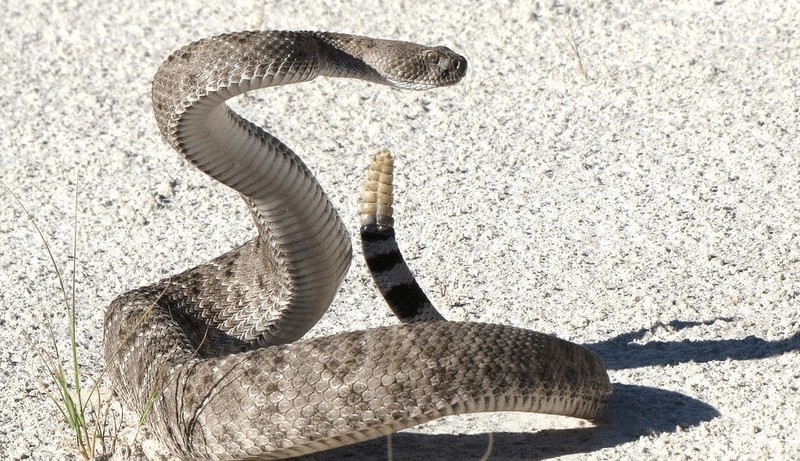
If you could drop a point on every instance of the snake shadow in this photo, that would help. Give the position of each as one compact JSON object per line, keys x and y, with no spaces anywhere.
{"x":622,"y":352}
{"x":635,"y":411}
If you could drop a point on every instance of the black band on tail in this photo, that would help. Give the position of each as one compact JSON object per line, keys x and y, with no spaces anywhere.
{"x":393,"y":277}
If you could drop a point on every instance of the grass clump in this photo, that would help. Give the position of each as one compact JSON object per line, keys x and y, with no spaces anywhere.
{"x":87,"y":414}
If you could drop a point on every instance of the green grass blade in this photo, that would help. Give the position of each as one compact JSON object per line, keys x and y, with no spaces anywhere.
{"x":69,"y":401}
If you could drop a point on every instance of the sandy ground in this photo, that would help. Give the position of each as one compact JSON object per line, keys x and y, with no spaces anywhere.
{"x":624,"y":175}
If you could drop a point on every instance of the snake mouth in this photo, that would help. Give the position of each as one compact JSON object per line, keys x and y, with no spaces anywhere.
{"x":420,"y":86}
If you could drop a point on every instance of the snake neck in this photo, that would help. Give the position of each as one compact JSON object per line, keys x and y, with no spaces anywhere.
{"x":302,"y":238}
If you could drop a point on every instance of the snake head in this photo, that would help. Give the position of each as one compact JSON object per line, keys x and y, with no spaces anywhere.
{"x":421,"y":68}
{"x":391,"y":62}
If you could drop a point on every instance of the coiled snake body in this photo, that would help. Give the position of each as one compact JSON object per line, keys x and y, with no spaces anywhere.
{"x":211,"y":351}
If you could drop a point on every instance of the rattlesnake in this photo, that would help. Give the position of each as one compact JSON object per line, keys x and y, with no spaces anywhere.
{"x":210,"y":353}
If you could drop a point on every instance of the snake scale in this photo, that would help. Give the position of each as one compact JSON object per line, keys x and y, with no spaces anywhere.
{"x":212,"y":354}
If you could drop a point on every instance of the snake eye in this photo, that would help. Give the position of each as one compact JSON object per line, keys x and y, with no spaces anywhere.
{"x":432,"y":56}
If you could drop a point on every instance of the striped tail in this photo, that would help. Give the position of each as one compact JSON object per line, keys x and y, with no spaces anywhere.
{"x":386,"y":264}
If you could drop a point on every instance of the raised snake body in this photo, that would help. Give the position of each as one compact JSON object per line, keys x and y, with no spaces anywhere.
{"x":211,"y":351}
